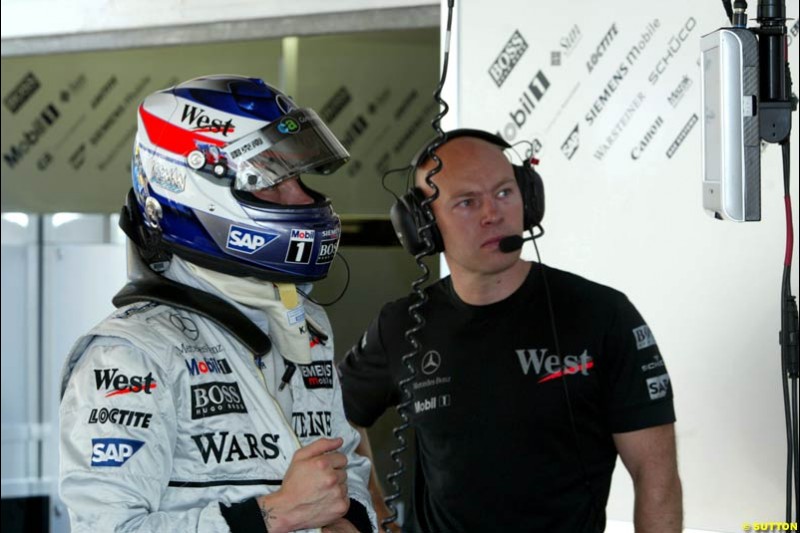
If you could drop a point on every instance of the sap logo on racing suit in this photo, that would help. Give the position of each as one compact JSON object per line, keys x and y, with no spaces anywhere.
{"x":107,"y":378}
{"x":248,"y":241}
{"x":224,"y":447}
{"x":113,"y":452}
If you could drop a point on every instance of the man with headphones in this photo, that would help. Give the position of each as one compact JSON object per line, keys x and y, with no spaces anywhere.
{"x":208,"y":401}
{"x":529,"y":381}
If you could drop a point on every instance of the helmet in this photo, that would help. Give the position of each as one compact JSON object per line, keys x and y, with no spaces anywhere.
{"x":201,"y":148}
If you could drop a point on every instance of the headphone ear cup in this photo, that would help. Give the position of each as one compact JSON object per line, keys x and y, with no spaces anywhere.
{"x":407,"y":216}
{"x":531,"y":187}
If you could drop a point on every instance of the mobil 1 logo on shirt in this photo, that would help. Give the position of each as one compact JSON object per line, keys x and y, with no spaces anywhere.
{"x":300,"y":246}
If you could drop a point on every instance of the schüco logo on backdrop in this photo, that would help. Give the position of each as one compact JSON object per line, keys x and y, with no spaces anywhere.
{"x":508,"y":58}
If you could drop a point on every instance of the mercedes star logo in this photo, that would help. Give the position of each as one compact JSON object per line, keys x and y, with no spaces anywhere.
{"x":431,"y":362}
{"x":185,"y":325}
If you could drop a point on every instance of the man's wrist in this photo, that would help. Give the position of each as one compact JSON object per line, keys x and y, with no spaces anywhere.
{"x":277,"y":518}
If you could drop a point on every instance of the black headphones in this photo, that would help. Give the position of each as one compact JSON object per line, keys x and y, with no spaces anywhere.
{"x":408,"y":215}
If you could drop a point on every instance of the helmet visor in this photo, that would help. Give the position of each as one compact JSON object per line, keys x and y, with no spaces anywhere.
{"x":297,"y":143}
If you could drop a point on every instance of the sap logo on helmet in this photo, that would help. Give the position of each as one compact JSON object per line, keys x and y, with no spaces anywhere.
{"x":201,"y":122}
{"x":302,"y":235}
{"x":248,"y":241}
{"x":113,"y":452}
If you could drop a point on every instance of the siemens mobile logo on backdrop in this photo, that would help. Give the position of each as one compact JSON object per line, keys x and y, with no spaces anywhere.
{"x":246,"y":240}
{"x":508,"y":58}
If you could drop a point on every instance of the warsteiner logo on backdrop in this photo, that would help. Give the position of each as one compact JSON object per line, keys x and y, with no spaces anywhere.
{"x":508,"y":58}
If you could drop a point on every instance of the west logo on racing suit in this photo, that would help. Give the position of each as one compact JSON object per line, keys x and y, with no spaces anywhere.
{"x":115,"y":383}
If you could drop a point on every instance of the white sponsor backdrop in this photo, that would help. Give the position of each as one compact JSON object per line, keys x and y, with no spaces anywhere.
{"x":624,"y":209}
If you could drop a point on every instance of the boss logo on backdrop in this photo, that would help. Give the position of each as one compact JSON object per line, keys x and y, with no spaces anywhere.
{"x":601,"y":48}
{"x":673,"y":46}
{"x":21,"y":92}
{"x":335,"y":104}
{"x":508,"y":58}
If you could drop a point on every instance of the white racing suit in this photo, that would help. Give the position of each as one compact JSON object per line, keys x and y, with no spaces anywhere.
{"x":169,"y":423}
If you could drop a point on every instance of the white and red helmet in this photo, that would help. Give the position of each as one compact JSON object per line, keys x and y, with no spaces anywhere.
{"x":201,"y":148}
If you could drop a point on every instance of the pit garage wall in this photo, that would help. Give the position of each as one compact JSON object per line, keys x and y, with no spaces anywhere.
{"x":624,"y":208}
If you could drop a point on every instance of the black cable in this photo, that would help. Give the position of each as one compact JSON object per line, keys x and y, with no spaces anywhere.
{"x":573,"y":425}
{"x":406,"y":392}
{"x":344,"y":290}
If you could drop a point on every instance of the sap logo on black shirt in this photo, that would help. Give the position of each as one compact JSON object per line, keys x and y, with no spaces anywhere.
{"x":312,"y":424}
{"x":209,"y":365}
{"x":216,"y":398}
{"x":223,"y":447}
{"x":317,"y":374}
{"x":113,"y":452}
{"x":115,"y":384}
{"x":658,"y":386}
{"x":123,"y":417}
{"x":248,"y":241}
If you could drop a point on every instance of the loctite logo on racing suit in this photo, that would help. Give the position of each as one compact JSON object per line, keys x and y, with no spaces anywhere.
{"x":122,"y":417}
{"x":115,"y":383}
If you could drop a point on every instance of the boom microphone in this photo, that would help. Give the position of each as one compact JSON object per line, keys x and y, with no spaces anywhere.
{"x":512,"y":243}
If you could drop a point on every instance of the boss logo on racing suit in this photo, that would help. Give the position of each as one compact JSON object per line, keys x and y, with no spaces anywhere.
{"x":658,"y":386}
{"x":247,"y":241}
{"x":223,"y":447}
{"x":216,"y":398}
{"x":644,"y":337}
{"x":114,"y":383}
{"x":312,"y":424}
{"x":113,"y":452}
{"x":122,"y":417}
{"x":208,"y":365}
{"x":317,"y":374}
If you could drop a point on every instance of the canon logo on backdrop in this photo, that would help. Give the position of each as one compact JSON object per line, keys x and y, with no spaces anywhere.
{"x":508,"y":58}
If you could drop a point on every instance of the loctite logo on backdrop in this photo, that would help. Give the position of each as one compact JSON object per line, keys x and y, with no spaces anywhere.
{"x":31,"y":136}
{"x":508,"y":58}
